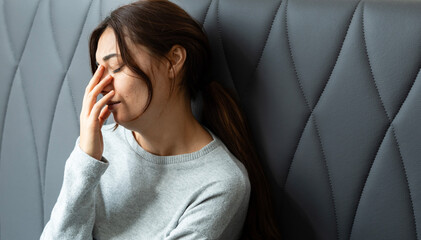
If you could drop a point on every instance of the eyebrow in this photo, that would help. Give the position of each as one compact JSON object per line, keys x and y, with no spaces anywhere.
{"x":107,"y":57}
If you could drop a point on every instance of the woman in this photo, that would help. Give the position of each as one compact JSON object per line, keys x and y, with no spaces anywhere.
{"x":162,"y":174}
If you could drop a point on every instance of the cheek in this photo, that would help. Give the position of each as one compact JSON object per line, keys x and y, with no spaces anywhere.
{"x":139,"y":93}
{"x":136,"y":92}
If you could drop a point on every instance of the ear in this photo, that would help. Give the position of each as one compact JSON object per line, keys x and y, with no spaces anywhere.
{"x":177,"y":56}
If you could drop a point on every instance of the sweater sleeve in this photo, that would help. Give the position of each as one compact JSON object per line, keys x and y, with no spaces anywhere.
{"x":73,"y":215}
{"x":218,"y":212}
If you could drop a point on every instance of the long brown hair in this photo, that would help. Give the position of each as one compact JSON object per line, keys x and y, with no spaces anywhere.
{"x":159,"y":25}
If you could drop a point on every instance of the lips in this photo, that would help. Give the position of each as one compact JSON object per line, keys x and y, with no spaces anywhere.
{"x":112,"y":103}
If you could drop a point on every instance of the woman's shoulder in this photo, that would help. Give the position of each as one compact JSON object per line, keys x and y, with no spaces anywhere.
{"x":226,"y":167}
{"x":226,"y":176}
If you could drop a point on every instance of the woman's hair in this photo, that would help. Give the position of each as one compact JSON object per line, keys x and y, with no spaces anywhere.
{"x":159,"y":25}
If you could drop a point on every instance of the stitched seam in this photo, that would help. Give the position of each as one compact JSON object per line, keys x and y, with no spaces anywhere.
{"x":7,"y":31}
{"x":52,"y":33}
{"x":407,"y":181}
{"x":371,"y":68}
{"x":365,"y":182}
{"x":328,"y":176}
{"x":292,"y":58}
{"x":35,"y":146}
{"x":222,"y":43}
{"x":52,"y":119}
{"x":397,"y":142}
{"x":267,"y":37}
{"x":73,"y":104}
{"x":206,"y":14}
{"x":8,"y":99}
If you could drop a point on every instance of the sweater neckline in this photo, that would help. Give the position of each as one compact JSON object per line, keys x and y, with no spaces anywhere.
{"x":150,"y":157}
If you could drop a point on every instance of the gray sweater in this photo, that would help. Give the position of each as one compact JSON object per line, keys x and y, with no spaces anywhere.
{"x":133,"y":194}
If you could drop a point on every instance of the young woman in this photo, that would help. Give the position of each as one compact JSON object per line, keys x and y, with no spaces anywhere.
{"x":162,"y":174}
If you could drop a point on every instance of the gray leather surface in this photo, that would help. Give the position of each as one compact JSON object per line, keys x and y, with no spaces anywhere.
{"x":332,"y":90}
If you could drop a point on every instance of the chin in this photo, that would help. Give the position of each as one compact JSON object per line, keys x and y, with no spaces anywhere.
{"x":125,"y":121}
{"x":118,"y":120}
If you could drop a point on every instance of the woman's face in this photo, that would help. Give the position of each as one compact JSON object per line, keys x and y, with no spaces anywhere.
{"x":130,"y":91}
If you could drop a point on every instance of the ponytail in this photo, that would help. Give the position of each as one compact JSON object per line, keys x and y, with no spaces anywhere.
{"x":222,"y":115}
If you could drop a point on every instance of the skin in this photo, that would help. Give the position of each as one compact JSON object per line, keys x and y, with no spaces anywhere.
{"x":167,"y":127}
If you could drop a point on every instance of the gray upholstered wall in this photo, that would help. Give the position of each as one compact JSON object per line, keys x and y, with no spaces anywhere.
{"x":332,"y":90}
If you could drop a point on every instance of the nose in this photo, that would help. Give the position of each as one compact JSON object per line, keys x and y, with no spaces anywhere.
{"x":107,"y":88}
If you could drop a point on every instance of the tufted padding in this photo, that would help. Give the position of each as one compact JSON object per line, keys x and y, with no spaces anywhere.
{"x":332,"y":91}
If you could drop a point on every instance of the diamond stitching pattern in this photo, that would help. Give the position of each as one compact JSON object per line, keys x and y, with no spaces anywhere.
{"x":16,"y":69}
{"x":393,"y":131}
{"x":312,"y":109}
{"x":315,"y":123}
{"x":62,"y":82}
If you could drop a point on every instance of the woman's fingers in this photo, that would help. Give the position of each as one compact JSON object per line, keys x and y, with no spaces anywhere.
{"x":92,"y":83}
{"x":95,"y":113}
{"x":105,"y":113}
{"x":92,"y":96}
{"x":95,"y":78}
{"x":98,"y":88}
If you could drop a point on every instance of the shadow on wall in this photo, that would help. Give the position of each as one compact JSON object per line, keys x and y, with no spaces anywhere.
{"x":294,"y":222}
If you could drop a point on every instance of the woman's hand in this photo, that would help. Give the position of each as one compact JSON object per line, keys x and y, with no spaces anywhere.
{"x":93,"y":115}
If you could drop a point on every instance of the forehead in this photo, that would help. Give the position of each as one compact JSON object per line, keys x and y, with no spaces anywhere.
{"x":106,"y":44}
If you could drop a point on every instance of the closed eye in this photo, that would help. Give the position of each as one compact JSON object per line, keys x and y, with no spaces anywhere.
{"x":118,"y":69}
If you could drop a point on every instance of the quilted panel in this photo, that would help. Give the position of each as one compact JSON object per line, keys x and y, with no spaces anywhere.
{"x":331,"y":89}
{"x":323,"y":101}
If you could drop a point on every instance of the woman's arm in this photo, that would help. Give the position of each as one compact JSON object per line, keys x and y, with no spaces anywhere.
{"x":73,"y":215}
{"x":218,"y":212}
